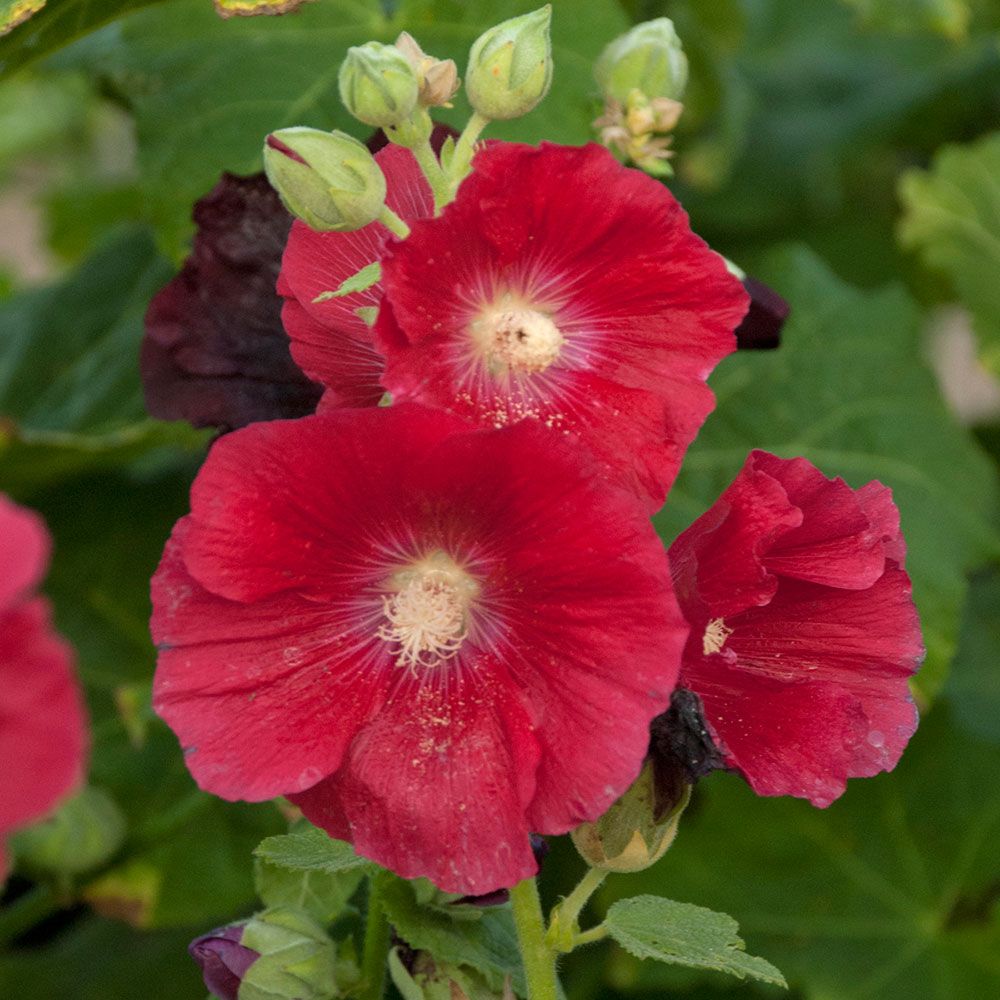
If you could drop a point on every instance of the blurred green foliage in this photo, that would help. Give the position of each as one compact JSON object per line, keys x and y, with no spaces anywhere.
{"x":801,"y":119}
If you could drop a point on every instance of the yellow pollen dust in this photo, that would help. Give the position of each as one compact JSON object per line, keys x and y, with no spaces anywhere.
{"x":716,"y":634}
{"x":426,"y":611}
{"x":516,"y":338}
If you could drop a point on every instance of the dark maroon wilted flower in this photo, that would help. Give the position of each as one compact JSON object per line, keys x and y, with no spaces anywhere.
{"x":223,"y":960}
{"x":761,"y":327}
{"x":215,"y":352}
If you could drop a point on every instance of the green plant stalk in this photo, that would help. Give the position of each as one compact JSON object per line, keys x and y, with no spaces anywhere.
{"x":571,"y":907}
{"x":538,"y":958}
{"x":393,"y":222}
{"x":464,"y":148}
{"x":440,"y":187}
{"x":374,"y":957}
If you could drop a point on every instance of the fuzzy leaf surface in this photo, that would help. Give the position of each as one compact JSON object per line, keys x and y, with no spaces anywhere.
{"x":682,"y":934}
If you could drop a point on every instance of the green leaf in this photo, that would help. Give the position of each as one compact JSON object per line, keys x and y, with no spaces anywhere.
{"x":311,"y":850}
{"x":69,"y":355}
{"x":952,"y":218}
{"x":70,"y":394}
{"x":485,"y":941}
{"x":365,"y":278}
{"x":16,"y":12}
{"x":890,"y":894}
{"x":60,"y":22}
{"x":98,"y":959}
{"x":974,"y":682}
{"x":848,"y":391}
{"x":323,"y":895}
{"x":944,"y":17}
{"x":211,"y":89}
{"x":682,"y":934}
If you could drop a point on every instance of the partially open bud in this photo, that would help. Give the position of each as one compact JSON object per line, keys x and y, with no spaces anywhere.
{"x":649,"y":58}
{"x":297,"y":958}
{"x":224,"y":960}
{"x":378,"y":85}
{"x":636,"y":831}
{"x":327,"y":179}
{"x":510,"y":66}
{"x":437,"y":79}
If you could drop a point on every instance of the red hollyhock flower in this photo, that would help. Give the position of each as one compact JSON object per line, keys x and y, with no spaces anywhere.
{"x":803,"y":630}
{"x":564,"y":287}
{"x":331,"y":340}
{"x":432,"y":638}
{"x":42,"y":725}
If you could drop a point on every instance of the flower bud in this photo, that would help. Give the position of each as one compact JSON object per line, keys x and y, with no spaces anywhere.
{"x":223,"y":959}
{"x":510,"y":66}
{"x":649,"y":58}
{"x":636,"y":831}
{"x":437,"y":79}
{"x":82,"y":834}
{"x":378,"y":85}
{"x":327,"y":179}
{"x":297,"y":958}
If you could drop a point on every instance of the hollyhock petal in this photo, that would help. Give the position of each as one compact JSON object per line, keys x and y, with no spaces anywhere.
{"x":42,"y":722}
{"x":461,"y":600}
{"x":315,"y":263}
{"x":349,"y":368}
{"x":761,"y":327}
{"x":836,"y":543}
{"x":273,"y":666}
{"x":717,"y":563}
{"x":444,"y":773}
{"x":808,"y":686}
{"x":24,"y":551}
{"x":278,"y":506}
{"x":215,"y":353}
{"x":615,"y":289}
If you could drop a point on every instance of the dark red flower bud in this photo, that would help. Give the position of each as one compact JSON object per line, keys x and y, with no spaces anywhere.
{"x":223,"y":960}
{"x":761,"y":327}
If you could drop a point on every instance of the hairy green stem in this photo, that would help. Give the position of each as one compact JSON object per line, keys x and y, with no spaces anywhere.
{"x":375,"y":955}
{"x":429,"y":164}
{"x":571,"y":907}
{"x":464,"y":148}
{"x":393,"y":222}
{"x":598,"y":933}
{"x":538,"y":958}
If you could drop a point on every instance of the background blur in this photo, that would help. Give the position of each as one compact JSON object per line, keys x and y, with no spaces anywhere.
{"x":844,"y":151}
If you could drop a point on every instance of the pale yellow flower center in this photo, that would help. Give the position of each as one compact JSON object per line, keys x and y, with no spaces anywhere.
{"x":716,"y":634}
{"x":513,"y":337}
{"x":427,"y":611}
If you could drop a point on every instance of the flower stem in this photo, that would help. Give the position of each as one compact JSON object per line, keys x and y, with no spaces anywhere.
{"x":376,"y":946}
{"x":466,"y":146}
{"x":564,"y":924}
{"x":393,"y":222}
{"x":539,"y":959}
{"x":429,"y":164}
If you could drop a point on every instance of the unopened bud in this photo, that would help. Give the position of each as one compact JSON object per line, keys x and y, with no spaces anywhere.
{"x":510,"y":66}
{"x":223,"y":959}
{"x":82,"y":834}
{"x":297,"y":958}
{"x":437,"y":79}
{"x":327,"y":179}
{"x":649,"y":58}
{"x":378,"y":85}
{"x":635,"y":832}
